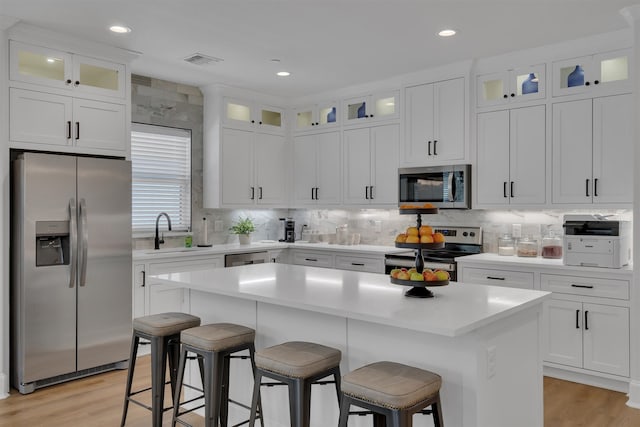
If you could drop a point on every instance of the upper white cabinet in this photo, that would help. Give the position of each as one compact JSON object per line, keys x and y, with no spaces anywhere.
{"x":601,"y":74}
{"x":593,"y":150}
{"x":514,"y":85}
{"x":371,"y":165}
{"x":317,"y":116}
{"x":253,"y":167}
{"x":316,"y":169}
{"x":246,"y":114}
{"x":511,"y":157}
{"x":376,"y":106}
{"x":434,"y":123}
{"x":42,"y":120}
{"x":53,"y":68}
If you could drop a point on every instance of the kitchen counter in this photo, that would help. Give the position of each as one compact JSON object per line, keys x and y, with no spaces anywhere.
{"x":264,"y":245}
{"x":483,"y":340}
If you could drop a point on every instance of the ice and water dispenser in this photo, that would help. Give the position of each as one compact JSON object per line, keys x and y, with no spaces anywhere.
{"x":52,"y":243}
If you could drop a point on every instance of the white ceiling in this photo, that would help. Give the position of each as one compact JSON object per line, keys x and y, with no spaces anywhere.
{"x":325,"y":44}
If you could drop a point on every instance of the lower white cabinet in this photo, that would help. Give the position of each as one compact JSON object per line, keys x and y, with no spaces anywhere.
{"x":358,"y":263}
{"x":338,"y":260}
{"x":507,"y":278}
{"x":587,"y":335}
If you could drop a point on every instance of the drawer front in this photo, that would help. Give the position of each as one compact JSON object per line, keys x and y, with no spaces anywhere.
{"x":194,"y":263}
{"x":316,"y":259}
{"x":371,"y":265}
{"x":507,"y":278}
{"x":588,"y":286}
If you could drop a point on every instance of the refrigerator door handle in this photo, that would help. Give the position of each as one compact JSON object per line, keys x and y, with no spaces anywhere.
{"x":73,"y":236}
{"x":84,"y":236}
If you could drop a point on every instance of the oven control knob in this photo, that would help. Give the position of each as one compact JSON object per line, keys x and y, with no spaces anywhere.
{"x":465,"y":234}
{"x":472,"y":234}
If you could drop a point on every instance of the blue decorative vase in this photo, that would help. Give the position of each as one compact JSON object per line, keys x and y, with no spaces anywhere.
{"x":361,"y":110}
{"x":530,"y":85}
{"x":331,"y":115}
{"x":576,"y":78}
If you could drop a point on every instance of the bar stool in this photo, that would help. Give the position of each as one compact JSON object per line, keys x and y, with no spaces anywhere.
{"x":214,"y":345}
{"x":392,"y":392}
{"x":163,"y":331}
{"x":297,"y":365}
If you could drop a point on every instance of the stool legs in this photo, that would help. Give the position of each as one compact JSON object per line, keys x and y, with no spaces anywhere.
{"x":132,"y":365}
{"x":385,"y":417}
{"x":300,"y":402}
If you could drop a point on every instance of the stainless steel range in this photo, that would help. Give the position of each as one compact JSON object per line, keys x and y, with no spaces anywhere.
{"x":460,"y":241}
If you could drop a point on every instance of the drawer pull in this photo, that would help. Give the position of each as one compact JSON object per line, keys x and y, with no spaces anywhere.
{"x":573,"y":285}
{"x":359,"y":264}
{"x":495,"y":278}
{"x":586,"y":320}
{"x":311,"y":259}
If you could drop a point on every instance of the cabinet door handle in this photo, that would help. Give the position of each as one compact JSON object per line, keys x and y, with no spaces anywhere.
{"x":577,"y":319}
{"x":77,"y":83}
{"x":68,"y":82}
{"x":429,"y":148}
{"x":312,"y":189}
{"x":77,"y":131}
{"x":260,"y":192}
{"x":366,"y":192}
{"x":586,"y":320}
{"x":505,"y":96}
{"x":511,"y":188}
{"x":595,"y":82}
{"x":253,"y":193}
{"x":504,"y":188}
{"x":513,"y":95}
{"x":371,"y":192}
{"x":358,"y":264}
{"x":587,"y":187}
{"x":587,"y":83}
{"x":311,"y":259}
{"x":573,"y":285}
{"x":144,"y":278}
{"x":317,"y":188}
{"x":595,"y":187}
{"x":69,"y":130}
{"x":495,"y":278}
{"x":435,"y":146}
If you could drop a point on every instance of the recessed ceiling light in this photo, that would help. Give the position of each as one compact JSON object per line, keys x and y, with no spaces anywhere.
{"x":283,"y":73}
{"x":447,"y":33}
{"x":120,"y":29}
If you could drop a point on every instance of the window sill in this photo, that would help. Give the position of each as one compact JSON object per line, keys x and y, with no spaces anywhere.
{"x":152,"y":234}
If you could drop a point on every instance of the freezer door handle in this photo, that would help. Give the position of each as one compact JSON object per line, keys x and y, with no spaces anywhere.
{"x":84,"y":236}
{"x":73,"y":236}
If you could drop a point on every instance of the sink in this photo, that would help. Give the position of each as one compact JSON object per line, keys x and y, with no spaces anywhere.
{"x":173,"y":250}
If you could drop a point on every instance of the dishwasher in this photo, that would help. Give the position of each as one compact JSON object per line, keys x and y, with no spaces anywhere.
{"x":233,"y":260}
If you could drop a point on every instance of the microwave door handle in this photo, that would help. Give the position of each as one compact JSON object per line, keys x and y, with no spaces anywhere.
{"x":73,"y":236}
{"x":452,"y":189}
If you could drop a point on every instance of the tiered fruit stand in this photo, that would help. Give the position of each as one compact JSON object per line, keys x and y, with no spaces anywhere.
{"x":419,"y":288}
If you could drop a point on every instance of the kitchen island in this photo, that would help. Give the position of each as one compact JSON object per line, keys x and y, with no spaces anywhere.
{"x":484,"y":341}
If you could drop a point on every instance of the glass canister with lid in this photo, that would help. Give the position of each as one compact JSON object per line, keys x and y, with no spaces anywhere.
{"x":552,"y":246}
{"x":527,"y":247}
{"x":506,"y":245}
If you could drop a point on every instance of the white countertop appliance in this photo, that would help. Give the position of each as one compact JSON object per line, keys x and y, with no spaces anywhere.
{"x":596,"y":241}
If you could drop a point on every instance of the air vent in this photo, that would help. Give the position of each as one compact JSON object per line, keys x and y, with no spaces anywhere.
{"x":140,"y":80}
{"x":201,"y":59}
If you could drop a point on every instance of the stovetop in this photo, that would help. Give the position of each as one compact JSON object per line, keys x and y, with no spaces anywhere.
{"x":460,"y":241}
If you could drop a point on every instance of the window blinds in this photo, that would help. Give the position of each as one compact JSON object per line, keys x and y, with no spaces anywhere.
{"x":161,"y":176}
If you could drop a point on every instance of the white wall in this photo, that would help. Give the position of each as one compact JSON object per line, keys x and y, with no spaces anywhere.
{"x":4,"y":217}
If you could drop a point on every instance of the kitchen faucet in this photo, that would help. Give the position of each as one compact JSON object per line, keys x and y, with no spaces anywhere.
{"x":157,"y":240}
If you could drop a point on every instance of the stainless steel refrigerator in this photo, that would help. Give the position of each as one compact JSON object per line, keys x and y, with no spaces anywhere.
{"x":70,"y":267}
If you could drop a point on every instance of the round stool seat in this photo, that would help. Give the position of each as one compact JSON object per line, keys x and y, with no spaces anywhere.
{"x":391,"y":385}
{"x":298,"y":359}
{"x":164,"y":324}
{"x":217,"y":336}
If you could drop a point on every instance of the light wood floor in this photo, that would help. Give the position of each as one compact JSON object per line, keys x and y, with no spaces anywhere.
{"x":97,"y":401}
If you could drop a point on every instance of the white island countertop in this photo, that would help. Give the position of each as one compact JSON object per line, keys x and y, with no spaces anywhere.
{"x":455,"y":310}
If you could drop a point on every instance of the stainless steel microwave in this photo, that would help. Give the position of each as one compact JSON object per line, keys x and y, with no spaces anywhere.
{"x":442,"y":186}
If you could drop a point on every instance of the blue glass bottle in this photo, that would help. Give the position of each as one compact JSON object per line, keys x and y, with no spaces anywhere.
{"x":331,"y":115}
{"x":530,"y":84}
{"x":361,"y":110}
{"x":576,"y":78}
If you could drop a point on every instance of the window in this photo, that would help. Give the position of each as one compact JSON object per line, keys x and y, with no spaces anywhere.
{"x":161,"y":176}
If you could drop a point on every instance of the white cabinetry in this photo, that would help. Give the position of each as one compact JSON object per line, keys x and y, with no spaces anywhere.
{"x":514,"y":85}
{"x":253,"y":168}
{"x":371,"y":165}
{"x":80,"y":74}
{"x":339,"y":260}
{"x":512,"y":157}
{"x":601,"y":74}
{"x":316,"y":116}
{"x":434,"y":123}
{"x":498,"y":277}
{"x":246,"y":114}
{"x":316,"y":169}
{"x":593,"y":150}
{"x":377,"y":106}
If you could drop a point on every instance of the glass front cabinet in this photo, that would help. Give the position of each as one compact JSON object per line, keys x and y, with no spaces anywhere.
{"x":316,"y":116}
{"x":53,"y":68}
{"x":601,"y":74}
{"x":248,"y":115}
{"x":521,"y":84}
{"x":377,"y":106}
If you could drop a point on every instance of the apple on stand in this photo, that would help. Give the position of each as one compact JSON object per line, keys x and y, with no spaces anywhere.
{"x":394,"y":273}
{"x":416,"y":277}
{"x":403,"y":275}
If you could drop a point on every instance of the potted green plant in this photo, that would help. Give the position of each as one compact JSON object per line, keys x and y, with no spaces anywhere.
{"x":243,"y":227}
